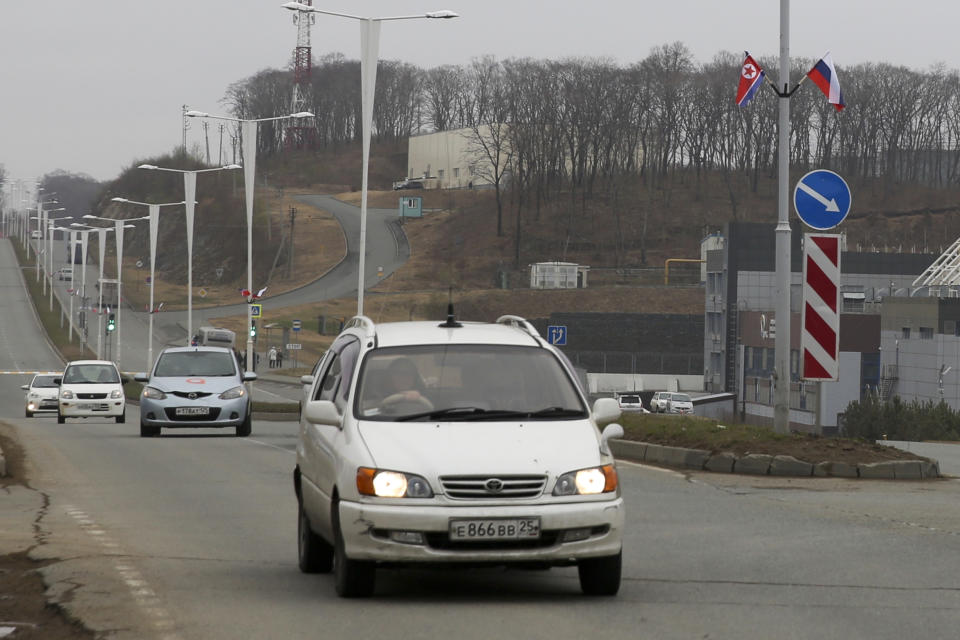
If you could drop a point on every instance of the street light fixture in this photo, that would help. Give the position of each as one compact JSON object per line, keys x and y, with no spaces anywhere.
{"x":154,"y":218}
{"x":369,"y":53}
{"x":118,"y":225}
{"x":189,"y":197}
{"x":248,"y":130}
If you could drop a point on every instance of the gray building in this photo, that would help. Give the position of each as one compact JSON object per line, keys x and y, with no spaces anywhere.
{"x":739,"y":322}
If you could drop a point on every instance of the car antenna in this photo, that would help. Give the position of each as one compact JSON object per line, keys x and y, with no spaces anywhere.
{"x":451,"y":322}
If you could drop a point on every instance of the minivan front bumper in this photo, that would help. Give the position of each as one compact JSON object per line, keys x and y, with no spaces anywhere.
{"x":569,"y":531}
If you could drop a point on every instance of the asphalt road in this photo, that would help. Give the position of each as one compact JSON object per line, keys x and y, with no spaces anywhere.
{"x":193,"y":536}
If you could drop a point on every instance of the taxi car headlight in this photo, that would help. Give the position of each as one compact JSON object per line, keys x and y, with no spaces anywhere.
{"x":391,"y":484}
{"x":116,"y":393}
{"x":152,"y":393}
{"x":235,"y":392}
{"x":66,"y":394}
{"x":586,"y":482}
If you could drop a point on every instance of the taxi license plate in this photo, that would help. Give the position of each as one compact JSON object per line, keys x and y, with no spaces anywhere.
{"x":193,"y":411}
{"x":495,"y":529}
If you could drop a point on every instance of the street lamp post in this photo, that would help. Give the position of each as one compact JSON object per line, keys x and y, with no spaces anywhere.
{"x":118,"y":226}
{"x":51,"y":227}
{"x":369,"y":54}
{"x":154,"y":218}
{"x":189,"y":197}
{"x":248,"y":130}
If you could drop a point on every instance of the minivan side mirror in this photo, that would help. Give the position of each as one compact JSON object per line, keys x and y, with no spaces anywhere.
{"x":24,"y":386}
{"x":58,"y":381}
{"x":605,"y":410}
{"x":141,"y":377}
{"x":322,"y":412}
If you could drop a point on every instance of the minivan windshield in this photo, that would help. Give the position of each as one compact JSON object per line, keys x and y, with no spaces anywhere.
{"x":195,"y":363}
{"x":91,"y":374}
{"x":465,"y":383}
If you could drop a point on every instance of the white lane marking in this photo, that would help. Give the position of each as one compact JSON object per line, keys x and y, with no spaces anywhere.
{"x":275,"y":395}
{"x":139,"y":589}
{"x":650,"y":468}
{"x":266,"y":444}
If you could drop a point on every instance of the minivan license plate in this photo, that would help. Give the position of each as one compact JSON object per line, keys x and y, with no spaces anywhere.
{"x":193,"y":411}
{"x":495,"y":529}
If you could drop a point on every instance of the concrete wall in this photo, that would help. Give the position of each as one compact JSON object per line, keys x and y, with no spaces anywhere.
{"x":602,"y":383}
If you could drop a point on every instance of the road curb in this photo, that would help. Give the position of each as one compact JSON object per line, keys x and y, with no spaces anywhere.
{"x":762,"y":464}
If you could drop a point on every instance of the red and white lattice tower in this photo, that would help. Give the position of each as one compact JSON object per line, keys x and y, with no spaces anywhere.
{"x":820,"y":333}
{"x":299,"y":134}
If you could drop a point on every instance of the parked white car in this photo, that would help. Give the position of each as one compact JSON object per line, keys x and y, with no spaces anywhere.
{"x":679,"y":403}
{"x":91,"y":389}
{"x":426,"y":443}
{"x":660,"y":401}
{"x":631,"y":402}
{"x":65,"y":273}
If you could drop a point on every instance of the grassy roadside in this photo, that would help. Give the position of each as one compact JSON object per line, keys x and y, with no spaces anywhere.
{"x":695,"y":432}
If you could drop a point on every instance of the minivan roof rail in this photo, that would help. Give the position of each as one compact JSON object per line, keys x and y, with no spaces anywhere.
{"x":363,"y":323}
{"x":517,"y":321}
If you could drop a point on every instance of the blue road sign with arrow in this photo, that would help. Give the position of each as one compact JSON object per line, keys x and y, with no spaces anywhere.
{"x":822,"y":199}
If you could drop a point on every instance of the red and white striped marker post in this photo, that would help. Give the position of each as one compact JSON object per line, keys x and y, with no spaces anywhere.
{"x":820,"y":335}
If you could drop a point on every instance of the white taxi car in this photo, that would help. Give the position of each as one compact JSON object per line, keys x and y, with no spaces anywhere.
{"x":427,"y":443}
{"x":91,"y":389}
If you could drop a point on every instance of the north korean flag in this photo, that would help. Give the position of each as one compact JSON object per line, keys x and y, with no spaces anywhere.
{"x":751,"y":77}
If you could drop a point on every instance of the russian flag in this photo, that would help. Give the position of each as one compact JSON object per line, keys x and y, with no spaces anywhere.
{"x":751,"y":77}
{"x":825,"y":76}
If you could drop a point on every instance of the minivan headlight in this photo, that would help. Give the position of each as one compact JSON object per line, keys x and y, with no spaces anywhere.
{"x":391,"y":484}
{"x":153,"y":393}
{"x":235,"y":392}
{"x":586,"y":482}
{"x":116,"y":393}
{"x":66,"y":394}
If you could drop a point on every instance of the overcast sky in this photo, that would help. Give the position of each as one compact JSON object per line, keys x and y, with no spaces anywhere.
{"x":92,"y":86}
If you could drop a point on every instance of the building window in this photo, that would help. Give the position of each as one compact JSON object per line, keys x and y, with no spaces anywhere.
{"x":472,"y":169}
{"x":440,"y":173}
{"x":456,"y":172}
{"x":758,"y":358}
{"x":771,"y":359}
{"x":950,"y":327}
{"x":906,"y":333}
{"x":926,"y":333}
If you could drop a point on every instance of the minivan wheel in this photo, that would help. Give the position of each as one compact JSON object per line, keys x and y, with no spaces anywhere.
{"x":60,"y":418}
{"x":314,"y":554}
{"x":600,"y":576}
{"x":122,"y":418}
{"x":353,"y":578}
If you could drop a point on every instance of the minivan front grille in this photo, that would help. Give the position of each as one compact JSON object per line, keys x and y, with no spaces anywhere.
{"x":492,"y":486}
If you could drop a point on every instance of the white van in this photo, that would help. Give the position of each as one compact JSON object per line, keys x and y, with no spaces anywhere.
{"x":215,"y":337}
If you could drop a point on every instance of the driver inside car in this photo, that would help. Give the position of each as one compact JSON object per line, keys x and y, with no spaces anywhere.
{"x":403,"y":385}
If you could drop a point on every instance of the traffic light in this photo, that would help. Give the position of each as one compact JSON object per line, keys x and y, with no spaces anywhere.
{"x":111,"y":322}
{"x":253,"y":329}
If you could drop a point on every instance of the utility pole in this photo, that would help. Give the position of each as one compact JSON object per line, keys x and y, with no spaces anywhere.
{"x":781,"y":359}
{"x":293,"y":218}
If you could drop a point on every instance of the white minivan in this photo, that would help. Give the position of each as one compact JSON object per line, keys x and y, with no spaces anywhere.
{"x":91,"y":389}
{"x":452,"y":443}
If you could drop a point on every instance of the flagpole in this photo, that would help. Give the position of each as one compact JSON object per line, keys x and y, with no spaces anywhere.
{"x":781,"y":397}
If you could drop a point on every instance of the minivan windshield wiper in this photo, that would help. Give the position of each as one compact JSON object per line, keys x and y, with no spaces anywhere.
{"x":469,"y":414}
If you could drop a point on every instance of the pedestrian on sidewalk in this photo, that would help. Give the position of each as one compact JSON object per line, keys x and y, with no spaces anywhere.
{"x":272,"y":357}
